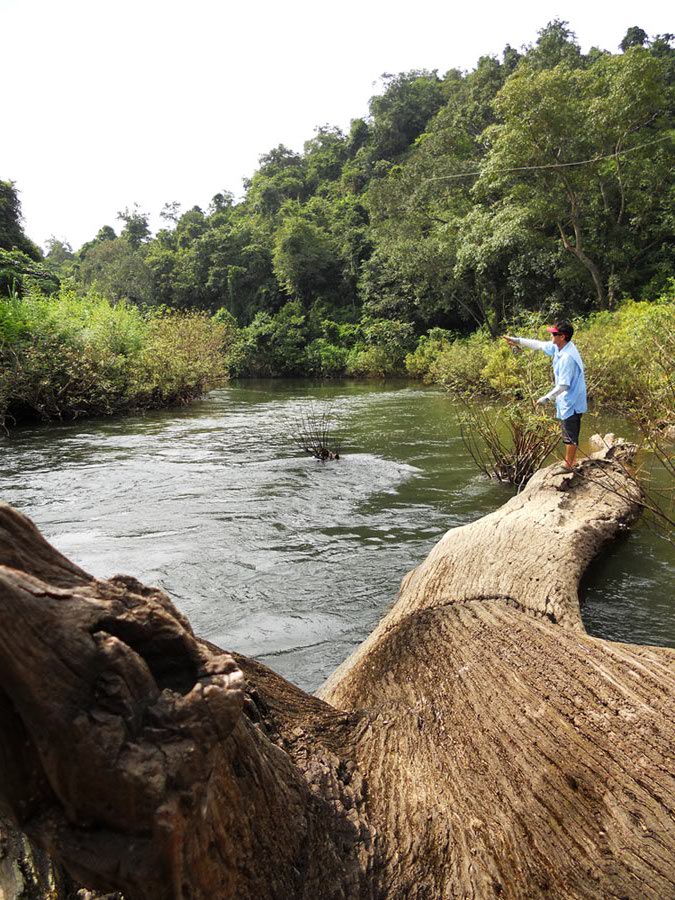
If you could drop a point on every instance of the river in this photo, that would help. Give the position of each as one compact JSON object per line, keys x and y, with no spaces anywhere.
{"x":271,"y":553}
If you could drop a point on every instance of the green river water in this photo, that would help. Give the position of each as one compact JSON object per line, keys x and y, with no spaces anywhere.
{"x":273,"y":554}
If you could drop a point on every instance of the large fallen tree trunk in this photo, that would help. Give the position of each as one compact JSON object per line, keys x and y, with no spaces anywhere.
{"x":479,"y":743}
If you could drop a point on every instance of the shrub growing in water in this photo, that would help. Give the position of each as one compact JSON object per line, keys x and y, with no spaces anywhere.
{"x":509,"y":443}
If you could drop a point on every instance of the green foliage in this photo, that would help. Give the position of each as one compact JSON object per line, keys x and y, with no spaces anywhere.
{"x":295,"y":343}
{"x":459,"y":366}
{"x":136,"y":229}
{"x":65,"y":356}
{"x":429,"y":347}
{"x":226,"y":265}
{"x":325,"y":359}
{"x":512,"y":375}
{"x":183,"y":355}
{"x":105,"y":233}
{"x":325,"y":156}
{"x":304,"y":258}
{"x":393,"y":336}
{"x":628,"y":367}
{"x":12,"y":236}
{"x":189,"y":228}
{"x":384,"y":348}
{"x":538,"y":182}
{"x":60,"y":258}
{"x":626,"y":357}
{"x":606,"y":210}
{"x":556,"y":46}
{"x":292,"y":343}
{"x":282,"y":176}
{"x":482,"y":366}
{"x":272,"y":345}
{"x":401,"y":113}
{"x":20,"y":272}
{"x":554,"y":219}
{"x":114,"y":269}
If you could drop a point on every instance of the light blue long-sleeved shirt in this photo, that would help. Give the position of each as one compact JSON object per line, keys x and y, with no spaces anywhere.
{"x":568,"y":370}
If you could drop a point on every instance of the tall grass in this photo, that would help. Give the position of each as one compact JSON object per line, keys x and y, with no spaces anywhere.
{"x":64,"y":356}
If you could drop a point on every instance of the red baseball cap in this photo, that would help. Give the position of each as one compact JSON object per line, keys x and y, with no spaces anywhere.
{"x":562,"y":327}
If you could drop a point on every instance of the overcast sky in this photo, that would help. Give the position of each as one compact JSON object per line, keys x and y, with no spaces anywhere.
{"x":149,"y":101}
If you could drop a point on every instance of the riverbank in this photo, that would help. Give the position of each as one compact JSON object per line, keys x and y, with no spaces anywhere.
{"x":619,"y":348}
{"x":66,"y":356}
{"x":627,"y":357}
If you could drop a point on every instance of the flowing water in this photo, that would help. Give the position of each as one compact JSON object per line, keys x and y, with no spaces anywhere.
{"x":272,"y":553}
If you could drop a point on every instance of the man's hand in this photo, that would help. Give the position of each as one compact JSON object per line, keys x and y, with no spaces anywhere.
{"x":513,"y":343}
{"x":542,"y":400}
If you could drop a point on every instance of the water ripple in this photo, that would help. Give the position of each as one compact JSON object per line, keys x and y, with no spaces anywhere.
{"x":269,"y":552}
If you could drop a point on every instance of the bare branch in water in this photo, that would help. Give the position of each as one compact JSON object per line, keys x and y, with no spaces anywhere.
{"x":314,"y":429}
{"x":510,"y":443}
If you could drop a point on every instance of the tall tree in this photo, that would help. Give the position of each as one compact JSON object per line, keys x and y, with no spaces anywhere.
{"x":305,"y":259}
{"x":136,"y":228}
{"x":60,"y":257}
{"x":556,"y":45}
{"x":325,"y":155}
{"x":634,"y":37}
{"x":280,"y":177}
{"x":58,"y":251}
{"x":12,"y":235}
{"x":117,"y":271}
{"x":571,"y":151}
{"x":170,"y":212}
{"x":400,"y":114}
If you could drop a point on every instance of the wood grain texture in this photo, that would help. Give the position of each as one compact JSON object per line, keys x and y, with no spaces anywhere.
{"x":478,"y":744}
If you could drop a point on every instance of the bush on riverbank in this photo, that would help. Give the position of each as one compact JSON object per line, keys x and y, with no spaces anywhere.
{"x":625,"y":355}
{"x":293,"y":342}
{"x":64,"y":356}
{"x":631,"y":356}
{"x":621,"y":357}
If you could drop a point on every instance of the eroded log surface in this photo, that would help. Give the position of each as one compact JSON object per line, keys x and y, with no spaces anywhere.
{"x":478,"y":744}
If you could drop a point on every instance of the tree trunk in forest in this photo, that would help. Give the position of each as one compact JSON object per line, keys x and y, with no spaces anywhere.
{"x":587,"y":263}
{"x":479,"y":743}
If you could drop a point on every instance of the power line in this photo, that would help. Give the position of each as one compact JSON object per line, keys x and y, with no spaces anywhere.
{"x":581,"y":162}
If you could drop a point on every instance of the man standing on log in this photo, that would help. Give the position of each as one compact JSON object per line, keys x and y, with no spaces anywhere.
{"x":569,"y":390}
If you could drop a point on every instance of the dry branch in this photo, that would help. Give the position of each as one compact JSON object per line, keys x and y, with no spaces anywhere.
{"x":314,"y":430}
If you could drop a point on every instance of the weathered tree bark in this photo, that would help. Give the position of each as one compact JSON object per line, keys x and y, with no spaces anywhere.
{"x":478,"y":743}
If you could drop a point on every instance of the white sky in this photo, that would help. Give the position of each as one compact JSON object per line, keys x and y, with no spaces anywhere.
{"x":109,"y":103}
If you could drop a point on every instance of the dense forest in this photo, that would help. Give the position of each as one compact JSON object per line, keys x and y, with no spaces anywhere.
{"x":538,"y":182}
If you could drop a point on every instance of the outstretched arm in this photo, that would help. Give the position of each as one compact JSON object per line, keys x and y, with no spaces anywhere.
{"x":529,"y":343}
